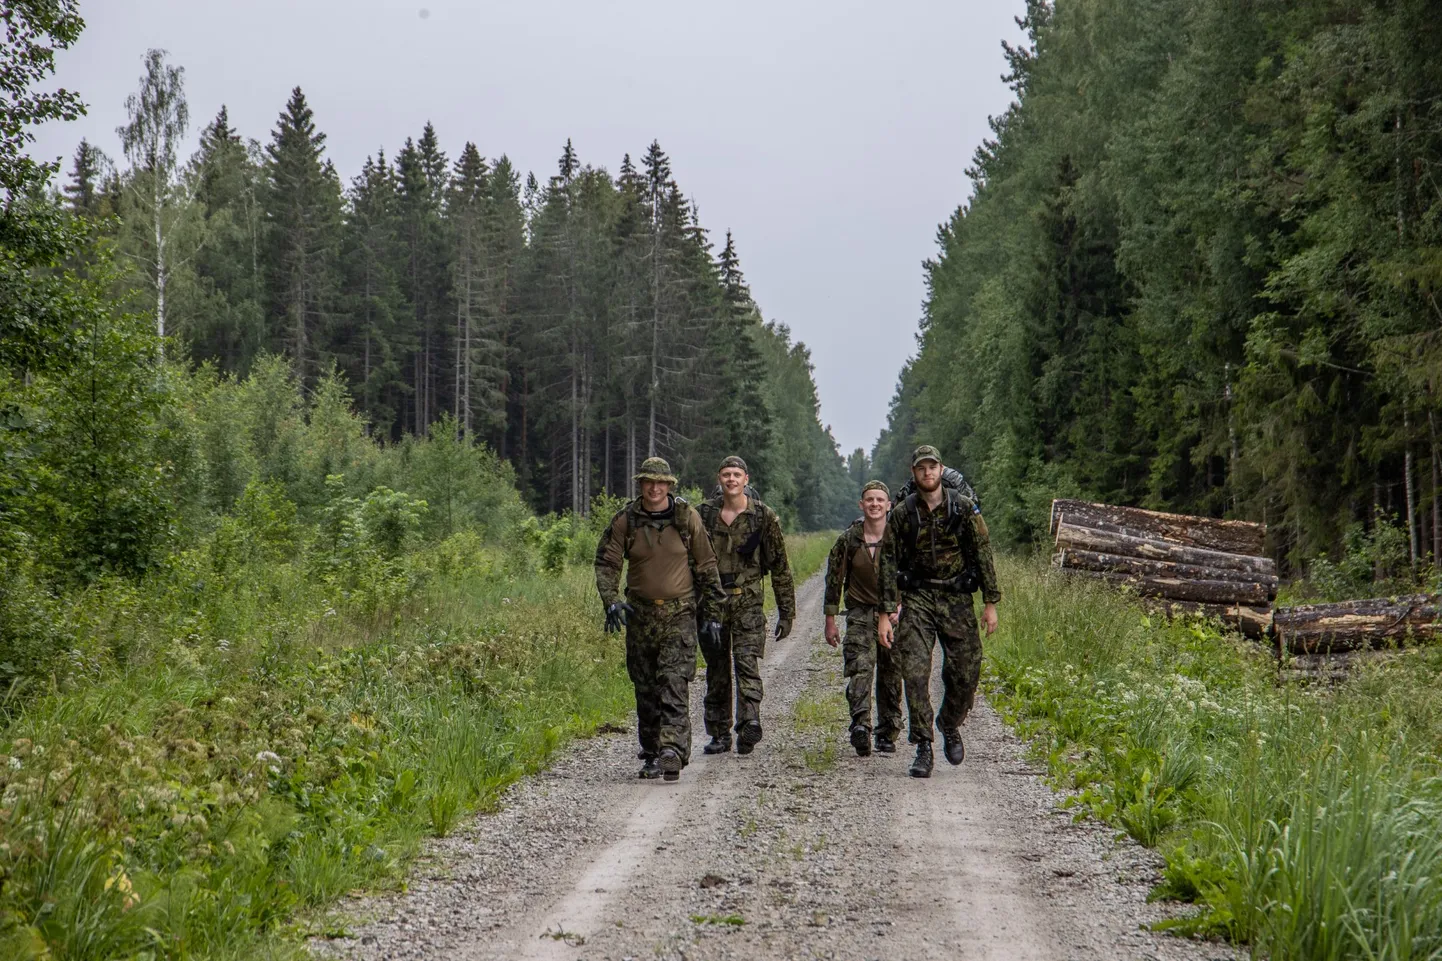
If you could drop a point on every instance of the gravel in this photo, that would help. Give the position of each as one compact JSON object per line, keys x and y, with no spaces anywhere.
{"x":801,"y":850}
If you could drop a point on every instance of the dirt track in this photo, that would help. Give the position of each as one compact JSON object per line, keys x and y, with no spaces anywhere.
{"x":801,"y":850}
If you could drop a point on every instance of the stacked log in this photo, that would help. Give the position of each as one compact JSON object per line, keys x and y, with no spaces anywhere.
{"x":1180,"y":563}
{"x":1359,"y":625}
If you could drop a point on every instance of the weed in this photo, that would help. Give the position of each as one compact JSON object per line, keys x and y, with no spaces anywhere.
{"x":1305,"y":821}
{"x":734,"y":920}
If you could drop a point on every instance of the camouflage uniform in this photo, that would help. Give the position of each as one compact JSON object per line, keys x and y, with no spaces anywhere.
{"x":851,"y":567}
{"x":938,"y":554}
{"x":747,"y":549}
{"x":665,"y":594}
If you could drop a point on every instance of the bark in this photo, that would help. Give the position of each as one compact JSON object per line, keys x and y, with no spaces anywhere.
{"x":1254,"y":622}
{"x":1407,"y":485}
{"x":1359,"y":625}
{"x":1233,"y":537}
{"x":1249,"y":593}
{"x":1122,"y":564}
{"x":1069,"y":535}
{"x":1436,"y":503}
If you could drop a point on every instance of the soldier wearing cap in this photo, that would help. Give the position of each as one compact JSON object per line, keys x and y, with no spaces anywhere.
{"x":670,"y":574}
{"x":937,"y":553}
{"x":853,"y":566}
{"x":746,"y":535}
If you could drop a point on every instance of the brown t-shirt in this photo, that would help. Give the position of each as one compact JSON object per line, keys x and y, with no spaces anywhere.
{"x":658,"y":568}
{"x":863,"y":587}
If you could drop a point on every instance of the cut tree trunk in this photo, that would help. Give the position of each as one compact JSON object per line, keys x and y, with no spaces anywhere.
{"x":1359,"y":625}
{"x":1254,"y":622}
{"x":1250,"y":593}
{"x":1069,"y":535}
{"x":1121,"y":564}
{"x":1232,"y":537}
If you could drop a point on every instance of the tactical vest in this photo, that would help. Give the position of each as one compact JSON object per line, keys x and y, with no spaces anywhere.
{"x":730,"y":543}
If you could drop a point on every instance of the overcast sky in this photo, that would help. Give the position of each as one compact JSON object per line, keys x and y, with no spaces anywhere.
{"x":829,"y":135}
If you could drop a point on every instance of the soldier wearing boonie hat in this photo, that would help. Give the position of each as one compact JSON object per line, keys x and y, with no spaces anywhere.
{"x":660,"y":540}
{"x":853,"y":567}
{"x":749,"y":544}
{"x":938,"y":552}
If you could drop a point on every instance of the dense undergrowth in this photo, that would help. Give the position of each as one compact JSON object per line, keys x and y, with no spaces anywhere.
{"x":227,"y":748}
{"x":1302,"y":819}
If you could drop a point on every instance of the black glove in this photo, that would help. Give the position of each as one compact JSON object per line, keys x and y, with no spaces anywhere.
{"x":616,"y":616}
{"x":711,"y":632}
{"x":783,"y":627}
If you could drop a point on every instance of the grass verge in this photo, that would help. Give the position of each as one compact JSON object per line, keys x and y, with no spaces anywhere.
{"x":222,"y":761}
{"x":1304,"y":820}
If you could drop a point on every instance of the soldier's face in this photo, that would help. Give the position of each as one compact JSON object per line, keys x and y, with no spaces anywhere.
{"x":733,"y":479}
{"x":927,"y":475}
{"x":874,"y":504}
{"x":653,"y":493}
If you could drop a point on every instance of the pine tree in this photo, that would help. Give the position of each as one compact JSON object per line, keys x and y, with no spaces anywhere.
{"x":90,"y":171}
{"x":303,"y":213}
{"x":371,"y":352}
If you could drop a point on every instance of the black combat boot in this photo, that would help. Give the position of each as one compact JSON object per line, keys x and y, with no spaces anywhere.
{"x":861,"y":740}
{"x":885,"y":745}
{"x":650,"y":770}
{"x":719,"y":744}
{"x":748,"y":737}
{"x":955,"y":750}
{"x":670,"y":763}
{"x":921,"y":767}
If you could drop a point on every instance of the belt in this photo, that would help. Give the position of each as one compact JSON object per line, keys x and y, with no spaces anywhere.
{"x":656,"y":601}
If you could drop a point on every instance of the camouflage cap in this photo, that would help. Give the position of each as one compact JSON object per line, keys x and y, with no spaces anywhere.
{"x":733,"y":461}
{"x":925,"y":452}
{"x":656,"y":469}
{"x":876,"y":486}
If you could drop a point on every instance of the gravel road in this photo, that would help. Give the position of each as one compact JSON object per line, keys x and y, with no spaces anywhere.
{"x":801,"y":850}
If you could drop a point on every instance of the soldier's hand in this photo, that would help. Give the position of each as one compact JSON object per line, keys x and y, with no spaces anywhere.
{"x":711,"y":632}
{"x":833,"y":635}
{"x":883,"y":630}
{"x":895,"y":616}
{"x":616,"y":616}
{"x":783,"y":627}
{"x":988,"y":617}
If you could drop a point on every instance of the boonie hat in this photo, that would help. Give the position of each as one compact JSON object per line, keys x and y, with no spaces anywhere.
{"x":656,"y":469}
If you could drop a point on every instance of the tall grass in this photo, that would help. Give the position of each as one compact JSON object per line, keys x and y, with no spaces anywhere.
{"x":1305,"y":820}
{"x":223,"y":759}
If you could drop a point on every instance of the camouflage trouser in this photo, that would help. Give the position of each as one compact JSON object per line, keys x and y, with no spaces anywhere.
{"x":928,"y":616}
{"x":743,"y":644}
{"x":864,"y":657}
{"x":661,"y":661}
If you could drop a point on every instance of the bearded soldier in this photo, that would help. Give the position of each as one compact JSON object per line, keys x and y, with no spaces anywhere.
{"x":937,"y":553}
{"x":853,"y":566}
{"x":670,"y":573}
{"x":746,"y":535}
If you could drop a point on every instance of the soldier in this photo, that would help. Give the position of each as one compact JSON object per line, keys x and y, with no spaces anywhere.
{"x":670,"y":572}
{"x":937,"y":552}
{"x":746,"y":535}
{"x":853,"y":565}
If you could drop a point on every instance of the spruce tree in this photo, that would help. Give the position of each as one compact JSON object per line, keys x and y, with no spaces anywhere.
{"x":302,"y":238}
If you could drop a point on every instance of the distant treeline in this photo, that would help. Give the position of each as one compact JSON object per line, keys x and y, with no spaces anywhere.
{"x":1200,"y":270}
{"x":573,"y":324}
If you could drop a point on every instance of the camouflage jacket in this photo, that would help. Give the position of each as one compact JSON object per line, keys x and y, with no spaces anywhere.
{"x":652,"y":547}
{"x":937,"y":546}
{"x":851,"y":568}
{"x":751,"y":547}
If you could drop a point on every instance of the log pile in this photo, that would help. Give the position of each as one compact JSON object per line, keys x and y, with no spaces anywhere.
{"x":1182,"y":564}
{"x":1359,"y":625}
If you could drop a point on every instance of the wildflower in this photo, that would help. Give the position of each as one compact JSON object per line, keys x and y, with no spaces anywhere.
{"x":268,"y":757}
{"x":15,"y":764}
